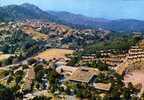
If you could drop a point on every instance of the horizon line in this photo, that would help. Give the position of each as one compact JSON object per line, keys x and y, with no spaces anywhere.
{"x":46,"y":10}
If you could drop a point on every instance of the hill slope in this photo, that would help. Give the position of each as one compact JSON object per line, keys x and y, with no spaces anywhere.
{"x":24,"y":11}
{"x":29,"y":11}
{"x":115,"y":25}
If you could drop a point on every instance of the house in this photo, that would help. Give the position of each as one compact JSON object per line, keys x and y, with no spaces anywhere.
{"x":61,"y":62}
{"x":137,"y":34}
{"x":103,"y":86}
{"x":135,"y":53}
{"x":114,"y":60}
{"x":88,"y":58}
{"x":84,"y":75}
{"x":66,"y":70}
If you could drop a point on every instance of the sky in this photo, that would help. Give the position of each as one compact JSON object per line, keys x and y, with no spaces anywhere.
{"x":109,"y":9}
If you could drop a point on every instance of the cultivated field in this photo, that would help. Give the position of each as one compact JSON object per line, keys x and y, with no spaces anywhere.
{"x":54,"y":53}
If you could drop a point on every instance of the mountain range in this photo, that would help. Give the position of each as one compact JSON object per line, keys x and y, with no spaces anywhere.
{"x":30,"y":11}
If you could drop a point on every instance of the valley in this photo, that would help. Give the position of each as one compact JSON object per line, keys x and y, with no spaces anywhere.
{"x":48,"y":55}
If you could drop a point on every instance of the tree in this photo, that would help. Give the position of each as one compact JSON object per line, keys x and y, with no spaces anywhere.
{"x":8,"y":61}
{"x":126,"y":94}
{"x":25,"y":67}
{"x":31,"y":61}
{"x":42,"y":98}
{"x":142,"y":96}
{"x":38,"y":67}
{"x":40,"y":75}
{"x":101,"y":66}
{"x":6,"y":93}
{"x":19,"y":76}
{"x":10,"y":78}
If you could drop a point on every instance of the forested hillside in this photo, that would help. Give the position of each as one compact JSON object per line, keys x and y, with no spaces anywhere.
{"x":16,"y":42}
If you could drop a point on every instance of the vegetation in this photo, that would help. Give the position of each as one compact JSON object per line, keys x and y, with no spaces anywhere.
{"x":99,"y":65}
{"x":6,"y":93}
{"x":117,"y":92}
{"x":3,"y":73}
{"x":75,"y":59}
{"x":18,"y":43}
{"x":50,"y":75}
{"x":41,"y":98}
{"x":116,"y":44}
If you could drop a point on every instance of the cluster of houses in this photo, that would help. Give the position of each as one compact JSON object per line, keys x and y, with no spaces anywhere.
{"x":82,"y":74}
{"x":118,"y":62}
{"x":135,"y":54}
{"x":79,"y":74}
{"x":88,"y":75}
{"x":50,"y":28}
{"x":63,"y":36}
{"x":114,"y":60}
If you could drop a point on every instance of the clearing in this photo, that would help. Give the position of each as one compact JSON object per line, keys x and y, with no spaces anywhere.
{"x":54,"y":53}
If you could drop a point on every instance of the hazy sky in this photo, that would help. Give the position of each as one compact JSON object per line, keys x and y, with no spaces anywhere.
{"x":112,"y":9}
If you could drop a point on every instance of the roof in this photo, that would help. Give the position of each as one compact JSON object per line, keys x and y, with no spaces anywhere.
{"x":84,"y":74}
{"x":66,"y":69}
{"x":103,"y":86}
